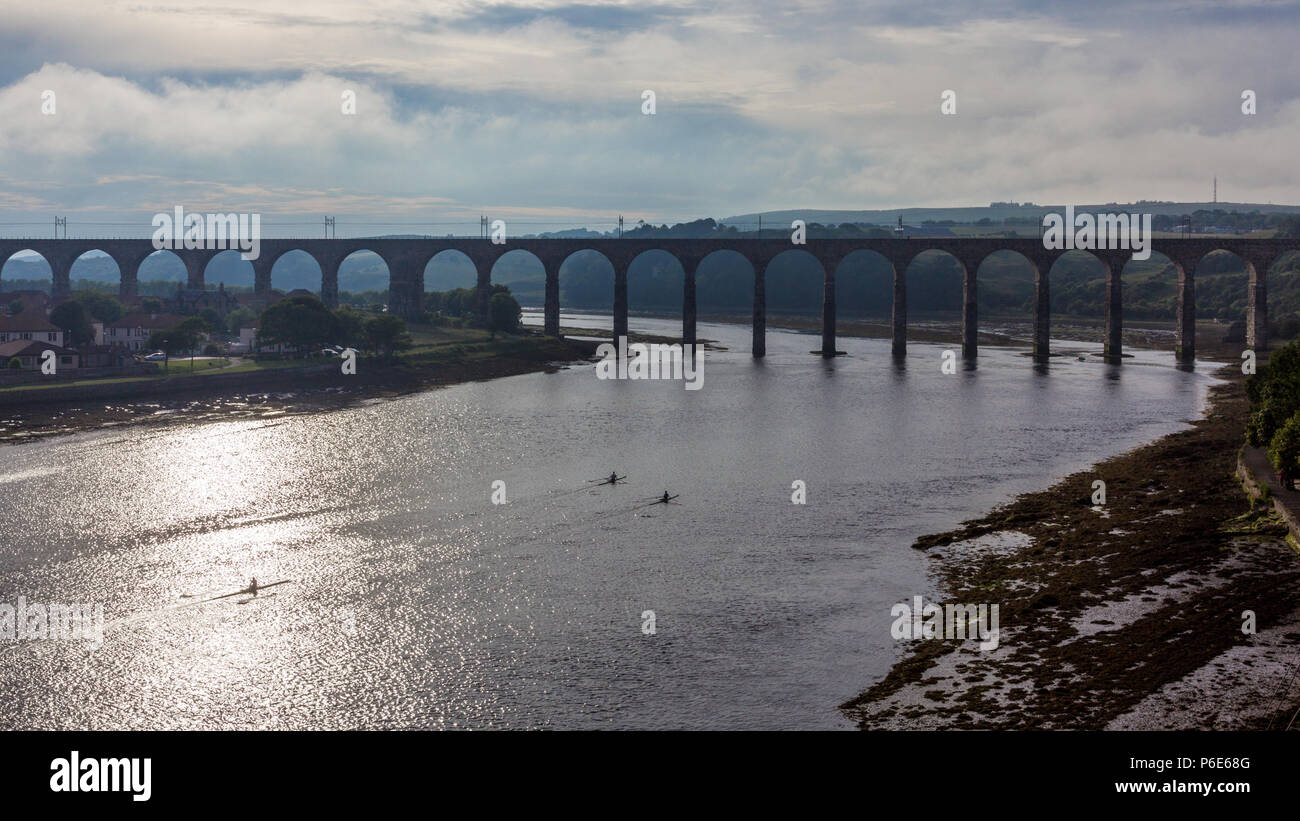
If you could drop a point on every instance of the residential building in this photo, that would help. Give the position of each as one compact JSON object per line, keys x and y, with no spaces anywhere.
{"x":30,"y":325}
{"x":30,"y":352}
{"x":132,"y":330}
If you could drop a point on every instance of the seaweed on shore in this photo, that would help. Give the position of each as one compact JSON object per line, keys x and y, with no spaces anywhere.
{"x":1179,"y":554}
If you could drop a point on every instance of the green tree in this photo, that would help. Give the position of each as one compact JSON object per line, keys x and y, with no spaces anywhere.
{"x":72,"y":318}
{"x":1274,"y":393}
{"x":151,"y":305}
{"x":302,"y":322}
{"x":99,"y":305}
{"x":240,"y":318}
{"x":182,"y":338}
{"x":1284,"y":451}
{"x":15,"y":364}
{"x":504,"y":311}
{"x":386,"y":335}
{"x":212,"y":318}
{"x":351,"y":327}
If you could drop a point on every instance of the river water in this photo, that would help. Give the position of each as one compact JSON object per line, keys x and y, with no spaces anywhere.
{"x":417,"y":602}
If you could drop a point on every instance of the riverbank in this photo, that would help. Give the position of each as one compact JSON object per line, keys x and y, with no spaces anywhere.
{"x":1012,"y":331}
{"x":32,"y":414}
{"x":1126,"y":615}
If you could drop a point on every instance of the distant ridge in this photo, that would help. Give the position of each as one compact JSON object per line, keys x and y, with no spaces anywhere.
{"x":998,"y":213}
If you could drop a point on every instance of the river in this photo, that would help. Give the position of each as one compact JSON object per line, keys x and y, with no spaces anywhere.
{"x":416,"y":602}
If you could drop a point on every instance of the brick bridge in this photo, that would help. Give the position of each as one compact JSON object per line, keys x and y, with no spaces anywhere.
{"x":407,"y":258}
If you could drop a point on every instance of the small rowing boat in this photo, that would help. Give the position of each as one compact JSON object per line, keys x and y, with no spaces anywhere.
{"x":250,"y":590}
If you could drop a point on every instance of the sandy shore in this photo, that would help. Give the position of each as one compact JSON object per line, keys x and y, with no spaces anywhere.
{"x":1122,"y":616}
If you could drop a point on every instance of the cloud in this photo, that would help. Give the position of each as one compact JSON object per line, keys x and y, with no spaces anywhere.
{"x":530,"y":109}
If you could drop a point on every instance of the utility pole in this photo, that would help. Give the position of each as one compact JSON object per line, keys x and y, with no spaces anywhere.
{"x":61,"y":221}
{"x":620,"y":226}
{"x":331,"y":231}
{"x":1216,"y":189}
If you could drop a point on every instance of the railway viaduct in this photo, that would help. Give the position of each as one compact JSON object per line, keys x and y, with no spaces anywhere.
{"x":406,"y":259}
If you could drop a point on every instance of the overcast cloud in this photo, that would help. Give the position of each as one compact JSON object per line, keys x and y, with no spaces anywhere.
{"x":532,"y":111}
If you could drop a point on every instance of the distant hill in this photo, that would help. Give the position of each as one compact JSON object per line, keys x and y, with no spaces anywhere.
{"x":996,"y":213}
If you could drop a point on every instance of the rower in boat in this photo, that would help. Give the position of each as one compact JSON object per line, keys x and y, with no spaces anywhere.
{"x":252,"y":588}
{"x":665,"y":498}
{"x":613,"y":477}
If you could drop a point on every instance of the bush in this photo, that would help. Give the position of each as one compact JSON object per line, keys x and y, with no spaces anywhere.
{"x":505,"y":313}
{"x":1287,"y":328}
{"x":212,"y":349}
{"x":1275,"y":395}
{"x":15,"y":364}
{"x":1284,"y":449}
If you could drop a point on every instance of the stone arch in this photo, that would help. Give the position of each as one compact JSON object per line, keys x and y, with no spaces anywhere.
{"x":868,"y":286}
{"x":586,"y":279}
{"x":278,"y":267}
{"x":1227,"y":279}
{"x":29,"y":259}
{"x":656,"y":280}
{"x":369,"y":270}
{"x":463,"y":273}
{"x":722,"y":288}
{"x":719,"y":290}
{"x":232,"y":270}
{"x":444,"y":275}
{"x":161,"y":274}
{"x":1080,"y":284}
{"x":1019,"y":286}
{"x":864,"y":284}
{"x":1006,"y":265}
{"x":89,"y":259}
{"x":525,"y":288}
{"x":949,"y":284}
{"x":799,"y":276}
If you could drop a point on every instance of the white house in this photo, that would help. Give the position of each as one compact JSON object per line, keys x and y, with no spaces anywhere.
{"x":30,"y":326}
{"x":132,"y":330}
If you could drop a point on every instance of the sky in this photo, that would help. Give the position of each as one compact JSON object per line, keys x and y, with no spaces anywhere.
{"x":532,"y":112}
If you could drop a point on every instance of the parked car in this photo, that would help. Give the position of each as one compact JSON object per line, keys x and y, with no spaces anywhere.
{"x":156,"y":356}
{"x":328,"y":352}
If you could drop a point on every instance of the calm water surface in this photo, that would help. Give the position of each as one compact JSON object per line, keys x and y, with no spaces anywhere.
{"x":418,"y":603}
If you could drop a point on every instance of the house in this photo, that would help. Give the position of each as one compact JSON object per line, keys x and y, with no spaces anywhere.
{"x":192,"y":301}
{"x":29,"y":353}
{"x":132,"y":330}
{"x":29,"y":300}
{"x":104,"y":356}
{"x":30,"y":325}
